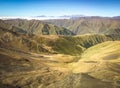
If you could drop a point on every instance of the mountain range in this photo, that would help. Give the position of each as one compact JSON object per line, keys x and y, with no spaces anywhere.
{"x":34,"y":27}
{"x":44,"y":17}
{"x":81,"y":25}
{"x":92,"y":25}
{"x":80,"y":52}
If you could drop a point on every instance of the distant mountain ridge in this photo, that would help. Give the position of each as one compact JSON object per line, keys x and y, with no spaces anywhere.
{"x":75,"y":25}
{"x":44,"y":17}
{"x":92,"y":25}
{"x":34,"y":27}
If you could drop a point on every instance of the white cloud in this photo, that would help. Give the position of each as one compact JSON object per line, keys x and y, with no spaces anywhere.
{"x":36,"y":18}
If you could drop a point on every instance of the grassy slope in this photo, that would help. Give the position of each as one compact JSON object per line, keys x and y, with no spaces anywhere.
{"x":25,"y":70}
{"x":38,"y":70}
{"x":101,"y":61}
{"x":77,"y":44}
{"x":106,"y":51}
{"x":71,"y":45}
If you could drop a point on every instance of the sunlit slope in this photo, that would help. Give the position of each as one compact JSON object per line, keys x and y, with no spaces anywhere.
{"x":105,"y":51}
{"x":81,"y":80}
{"x":101,"y":61}
{"x":26,"y":70}
{"x":22,"y":69}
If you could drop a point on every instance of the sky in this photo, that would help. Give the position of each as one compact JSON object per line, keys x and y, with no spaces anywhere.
{"x":24,"y":8}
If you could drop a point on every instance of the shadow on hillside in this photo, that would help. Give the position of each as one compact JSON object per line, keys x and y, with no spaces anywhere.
{"x":7,"y":86}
